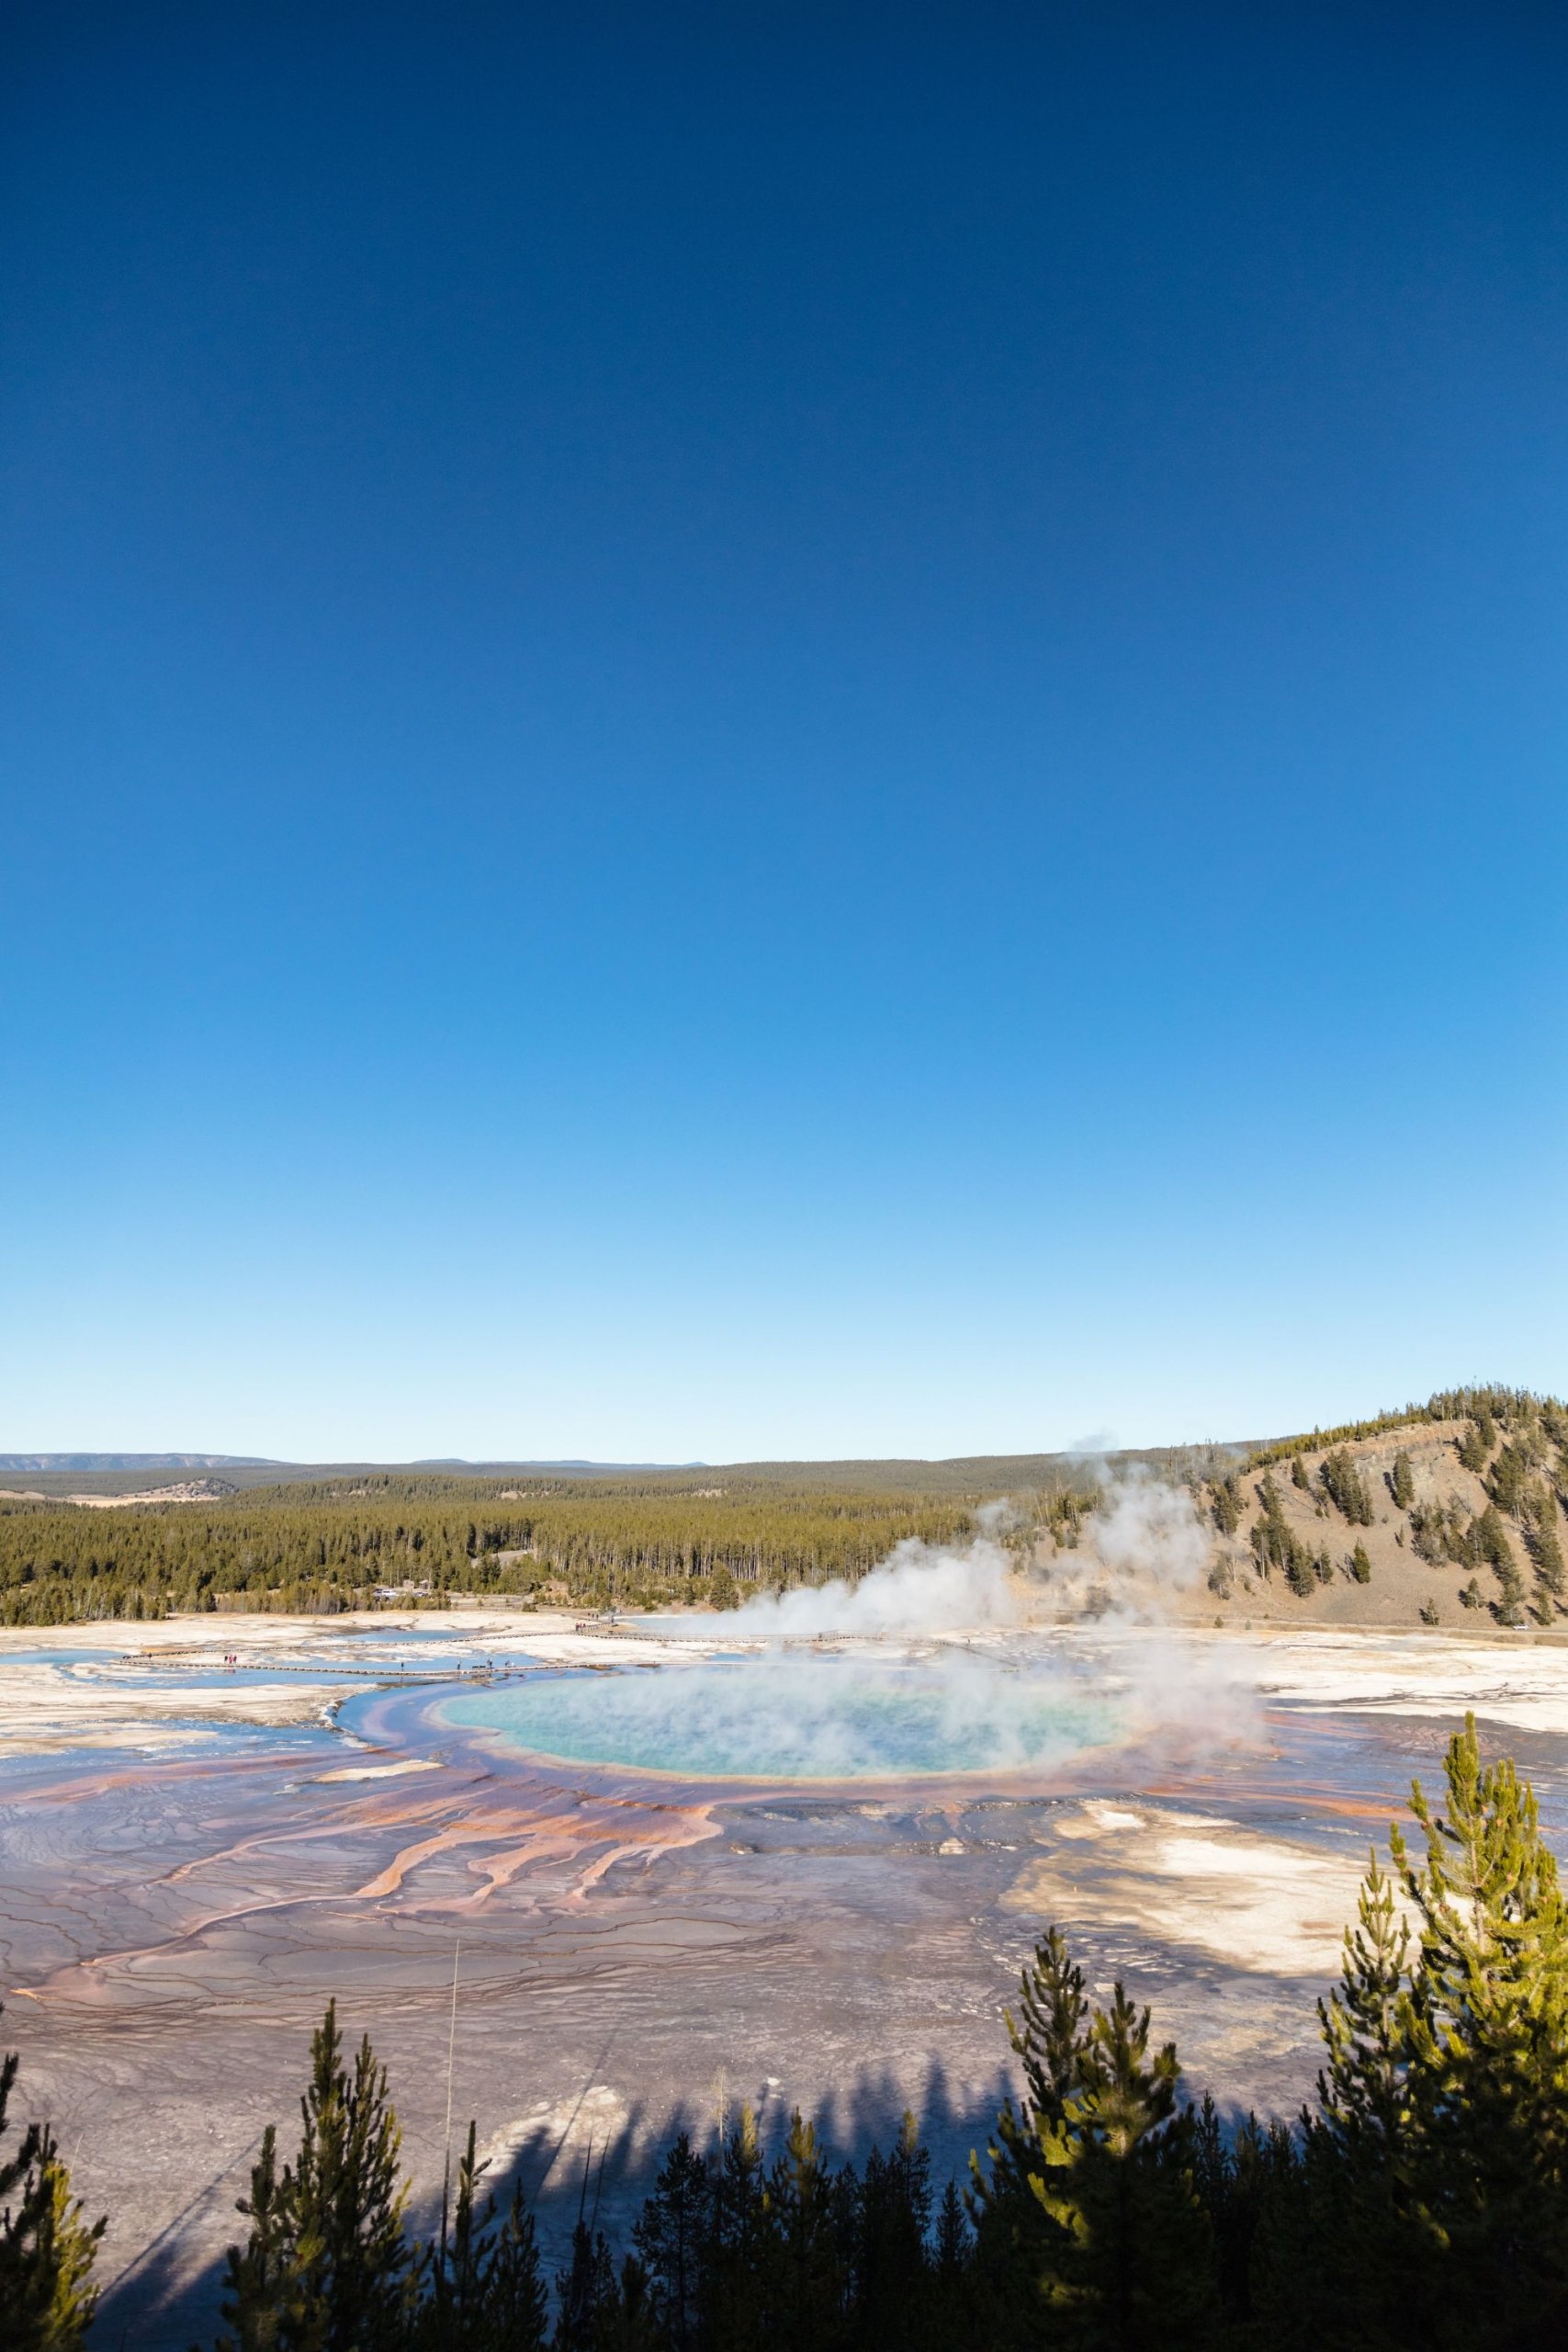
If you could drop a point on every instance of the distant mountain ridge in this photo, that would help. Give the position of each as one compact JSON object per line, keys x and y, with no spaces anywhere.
{"x":570,"y":1462}
{"x":55,"y":1463}
{"x":47,"y":1462}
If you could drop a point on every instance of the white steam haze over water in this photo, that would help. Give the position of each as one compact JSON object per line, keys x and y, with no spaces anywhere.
{"x":1013,"y":1701}
{"x":786,"y":1717}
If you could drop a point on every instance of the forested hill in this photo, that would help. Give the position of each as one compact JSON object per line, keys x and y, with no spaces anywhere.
{"x":1452,"y":1513}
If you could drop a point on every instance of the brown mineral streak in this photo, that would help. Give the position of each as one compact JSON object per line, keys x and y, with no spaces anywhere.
{"x":571,"y":1826}
{"x":667,"y":1827}
{"x":563,"y":1823}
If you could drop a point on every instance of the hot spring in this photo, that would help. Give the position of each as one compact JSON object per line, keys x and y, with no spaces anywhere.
{"x":783,"y":1716}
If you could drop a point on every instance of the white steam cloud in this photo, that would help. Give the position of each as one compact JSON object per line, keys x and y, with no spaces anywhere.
{"x":1145,"y":1527}
{"x":917,"y":1590}
{"x":1144,"y":1543}
{"x":1142,"y":1548}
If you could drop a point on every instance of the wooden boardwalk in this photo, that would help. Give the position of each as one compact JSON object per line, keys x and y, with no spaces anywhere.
{"x":318,"y":1670}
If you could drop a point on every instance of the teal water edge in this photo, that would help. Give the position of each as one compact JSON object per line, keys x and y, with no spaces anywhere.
{"x":780,"y":1717}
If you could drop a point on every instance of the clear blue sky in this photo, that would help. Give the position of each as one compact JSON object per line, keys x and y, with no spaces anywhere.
{"x":779,"y":730}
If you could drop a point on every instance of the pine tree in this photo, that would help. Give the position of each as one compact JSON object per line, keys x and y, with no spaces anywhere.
{"x":1301,"y":1574}
{"x":458,"y":2272}
{"x":1429,"y":1533}
{"x":1508,"y":1485}
{"x":1474,"y":1446}
{"x":953,"y":2262}
{"x":1275,"y":1544}
{"x":730,"y":2287}
{"x":1361,"y":1564}
{"x":1434,"y":2202}
{"x":1340,"y":2258}
{"x":1546,"y":1551}
{"x":805,"y":2289}
{"x":1212,"y":2167}
{"x":1089,"y":2219}
{"x":485,"y":2291}
{"x":1490,"y":1541}
{"x":1241,"y":2188}
{"x":327,"y":2267}
{"x":1486,"y":2028}
{"x":514,"y":2305}
{"x":345,"y":2201}
{"x":1048,"y":2042}
{"x":1402,"y":1482}
{"x":47,"y":2251}
{"x":587,"y":2299}
{"x":671,"y":2237}
{"x":629,"y":2322}
{"x":1227,"y":1505}
{"x":1132,"y":2268}
{"x":891,"y":2218}
{"x":260,"y":2275}
{"x":1343,"y":1484}
{"x":1361,"y":2090}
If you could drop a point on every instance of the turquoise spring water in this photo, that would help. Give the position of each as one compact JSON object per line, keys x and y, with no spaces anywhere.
{"x":808,"y":1718}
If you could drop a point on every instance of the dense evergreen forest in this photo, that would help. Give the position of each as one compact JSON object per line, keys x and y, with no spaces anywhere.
{"x":1420,"y":2201}
{"x":329,"y":1546}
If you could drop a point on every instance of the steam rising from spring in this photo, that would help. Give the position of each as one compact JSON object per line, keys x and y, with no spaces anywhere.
{"x":791,"y":1715}
{"x":943,"y":1676}
{"x":1143,"y":1545}
{"x":919,"y":1588}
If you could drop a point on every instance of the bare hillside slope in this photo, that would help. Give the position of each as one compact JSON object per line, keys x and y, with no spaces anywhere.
{"x":1455,"y":1520}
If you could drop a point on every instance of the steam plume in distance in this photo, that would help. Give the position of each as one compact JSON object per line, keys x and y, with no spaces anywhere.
{"x":1143,"y":1546}
{"x":919,"y":1588}
{"x":1144,"y":1525}
{"x":1144,"y":1543}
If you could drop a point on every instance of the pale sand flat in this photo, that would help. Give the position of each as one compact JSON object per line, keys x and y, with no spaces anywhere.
{"x":1264,"y":1905}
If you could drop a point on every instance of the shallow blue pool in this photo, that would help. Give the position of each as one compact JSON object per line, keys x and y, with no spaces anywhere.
{"x":782,"y":1717}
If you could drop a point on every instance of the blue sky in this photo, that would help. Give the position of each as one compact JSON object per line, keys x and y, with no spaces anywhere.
{"x":779,"y":731}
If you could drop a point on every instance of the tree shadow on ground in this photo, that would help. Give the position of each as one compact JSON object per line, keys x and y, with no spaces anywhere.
{"x":167,"y":2300}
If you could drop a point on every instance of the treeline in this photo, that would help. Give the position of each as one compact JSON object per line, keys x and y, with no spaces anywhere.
{"x":333,"y":1551}
{"x":1421,"y":2200}
{"x":1449,"y":1405}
